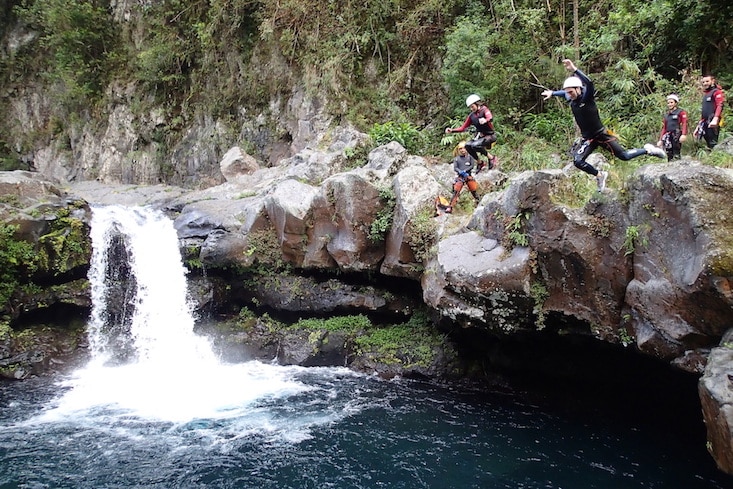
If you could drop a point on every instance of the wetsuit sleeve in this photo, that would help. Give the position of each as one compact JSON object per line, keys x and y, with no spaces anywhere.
{"x":455,"y":165}
{"x":560,"y":93}
{"x":464,"y":126}
{"x":683,"y":122}
{"x":719,"y":100}
{"x":589,"y":92}
{"x":487,"y":114}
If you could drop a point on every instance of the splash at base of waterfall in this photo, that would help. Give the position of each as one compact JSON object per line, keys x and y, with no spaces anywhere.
{"x":167,"y":372}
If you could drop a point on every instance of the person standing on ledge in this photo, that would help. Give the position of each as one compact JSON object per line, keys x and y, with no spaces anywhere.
{"x":579,"y":91}
{"x":463,"y":165}
{"x":674,"y":128}
{"x":713,"y":98}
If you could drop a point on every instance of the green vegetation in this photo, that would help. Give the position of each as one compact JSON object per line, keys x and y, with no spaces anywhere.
{"x":65,"y":246}
{"x":514,"y":230}
{"x":399,"y":70}
{"x":348,"y":324}
{"x":81,"y":46}
{"x":539,"y":294}
{"x":634,"y":237}
{"x":421,"y":233}
{"x":573,"y":190}
{"x":383,"y":222}
{"x":16,"y":260}
{"x":413,"y":343}
{"x":404,"y":133}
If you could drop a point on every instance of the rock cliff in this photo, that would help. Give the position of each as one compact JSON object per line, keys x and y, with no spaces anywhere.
{"x":647,"y":267}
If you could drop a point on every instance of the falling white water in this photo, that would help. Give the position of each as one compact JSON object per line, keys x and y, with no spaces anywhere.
{"x":162,"y":314}
{"x":174,"y":375}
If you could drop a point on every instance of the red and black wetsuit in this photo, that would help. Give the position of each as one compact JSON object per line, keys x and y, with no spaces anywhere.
{"x":712,"y":106}
{"x":485,"y":136}
{"x":675,"y":125}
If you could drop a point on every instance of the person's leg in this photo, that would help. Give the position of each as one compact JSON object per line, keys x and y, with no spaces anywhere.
{"x":473,"y":187}
{"x":474,"y":148}
{"x":487,"y":142}
{"x":711,"y":136}
{"x":457,"y":187}
{"x":581,"y":152}
{"x":625,"y":154}
{"x":675,"y":151}
{"x":612,"y":144}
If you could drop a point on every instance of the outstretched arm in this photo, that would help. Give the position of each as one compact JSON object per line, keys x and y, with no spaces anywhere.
{"x":569,"y":65}
{"x":553,"y":93}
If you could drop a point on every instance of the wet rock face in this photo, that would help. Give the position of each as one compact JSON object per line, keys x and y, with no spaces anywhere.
{"x":716,"y":396}
{"x":680,"y":295}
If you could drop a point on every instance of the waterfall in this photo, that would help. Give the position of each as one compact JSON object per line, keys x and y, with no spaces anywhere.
{"x":146,"y":359}
{"x":139,"y":292}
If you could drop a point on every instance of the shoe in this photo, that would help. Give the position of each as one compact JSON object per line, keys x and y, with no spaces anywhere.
{"x":493,"y":163}
{"x":655,"y":151}
{"x":601,"y":180}
{"x":481,"y":166}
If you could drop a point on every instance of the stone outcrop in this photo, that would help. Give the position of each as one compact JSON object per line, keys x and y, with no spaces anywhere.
{"x":44,"y":255}
{"x":649,"y":270}
{"x":716,"y":395}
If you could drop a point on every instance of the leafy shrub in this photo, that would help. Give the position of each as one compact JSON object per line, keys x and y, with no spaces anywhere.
{"x":383,"y":222}
{"x":404,"y":133}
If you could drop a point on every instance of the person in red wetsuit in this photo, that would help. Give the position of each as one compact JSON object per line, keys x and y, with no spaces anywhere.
{"x":481,"y":118}
{"x":579,"y":91}
{"x":674,"y":128}
{"x":713,"y":99}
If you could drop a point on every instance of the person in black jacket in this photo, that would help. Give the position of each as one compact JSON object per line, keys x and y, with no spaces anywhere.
{"x":579,"y":91}
{"x":711,"y":112}
{"x":674,"y":128}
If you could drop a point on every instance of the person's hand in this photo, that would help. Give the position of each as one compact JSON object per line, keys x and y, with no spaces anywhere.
{"x":546,"y":94}
{"x":482,"y":120}
{"x":569,"y":65}
{"x":448,"y":130}
{"x":714,"y":122}
{"x":463,"y":174}
{"x":659,"y":143}
{"x":683,"y":138}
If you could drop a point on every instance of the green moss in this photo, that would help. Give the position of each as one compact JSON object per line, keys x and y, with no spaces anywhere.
{"x":421,"y":233}
{"x":383,"y":222}
{"x":17,"y":258}
{"x":539,"y":294}
{"x":413,"y":343}
{"x":349,"y":324}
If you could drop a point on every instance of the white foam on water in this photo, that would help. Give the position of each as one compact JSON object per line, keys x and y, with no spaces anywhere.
{"x":176,"y":377}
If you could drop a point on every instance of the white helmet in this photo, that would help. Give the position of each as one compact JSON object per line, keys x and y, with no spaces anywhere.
{"x":472,"y":99}
{"x":572,"y":82}
{"x":673,"y":96}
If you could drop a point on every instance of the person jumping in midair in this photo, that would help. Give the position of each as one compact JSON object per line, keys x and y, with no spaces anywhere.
{"x":482,"y":119}
{"x":579,"y":91}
